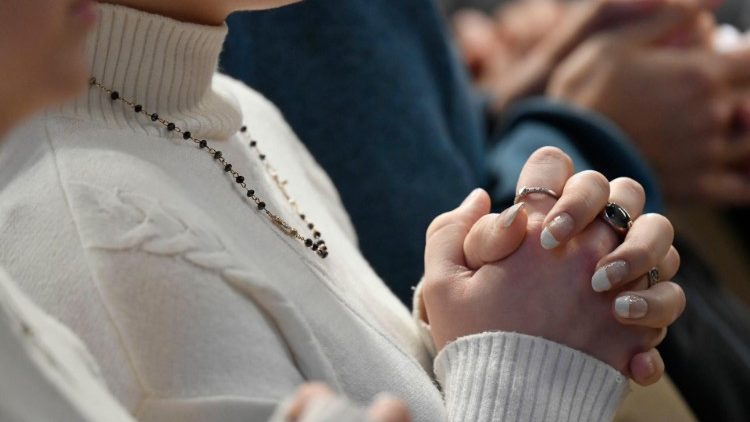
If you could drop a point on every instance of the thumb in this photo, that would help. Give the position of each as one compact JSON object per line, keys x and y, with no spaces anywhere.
{"x":495,"y":236}
{"x":476,"y":38}
{"x":444,"y":251}
{"x":669,"y":18}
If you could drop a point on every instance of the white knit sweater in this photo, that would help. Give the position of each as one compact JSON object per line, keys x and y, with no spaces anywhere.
{"x":196,"y":307}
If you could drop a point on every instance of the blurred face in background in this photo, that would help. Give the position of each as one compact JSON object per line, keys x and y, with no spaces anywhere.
{"x":42,"y":58}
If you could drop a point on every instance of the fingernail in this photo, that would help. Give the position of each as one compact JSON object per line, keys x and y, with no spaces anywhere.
{"x":560,"y":227}
{"x":511,"y":214}
{"x":609,"y":275}
{"x":472,"y":196}
{"x":631,"y":307}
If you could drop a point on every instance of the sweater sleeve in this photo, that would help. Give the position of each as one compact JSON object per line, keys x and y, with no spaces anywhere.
{"x":509,"y":376}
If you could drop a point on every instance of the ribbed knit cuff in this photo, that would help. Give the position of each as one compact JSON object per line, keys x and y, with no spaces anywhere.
{"x":420,"y":318}
{"x":514,"y":377}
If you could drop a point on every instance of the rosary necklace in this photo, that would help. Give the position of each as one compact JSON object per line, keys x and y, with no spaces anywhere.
{"x":315,"y":243}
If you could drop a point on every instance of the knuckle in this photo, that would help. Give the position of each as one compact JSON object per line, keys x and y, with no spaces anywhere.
{"x":595,"y":180}
{"x":630,"y":187}
{"x":439,"y":222}
{"x":547,"y":155}
{"x":661,"y":224}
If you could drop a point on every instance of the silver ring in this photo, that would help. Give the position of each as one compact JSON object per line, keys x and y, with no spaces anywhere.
{"x":526,"y":191}
{"x":617,"y":218}
{"x":653,"y":277}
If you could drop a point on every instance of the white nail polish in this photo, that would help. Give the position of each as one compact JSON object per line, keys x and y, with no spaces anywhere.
{"x":511,"y":214}
{"x":622,"y":306}
{"x":548,"y":240}
{"x":631,"y":307}
{"x":607,"y":276}
{"x":600,"y":282}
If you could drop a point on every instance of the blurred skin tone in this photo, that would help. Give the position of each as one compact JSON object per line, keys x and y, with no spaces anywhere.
{"x":696,"y":133}
{"x":694,"y":129}
{"x":383,"y":409}
{"x":41,"y":54}
{"x":204,"y":12}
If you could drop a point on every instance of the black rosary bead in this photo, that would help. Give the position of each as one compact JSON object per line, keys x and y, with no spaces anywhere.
{"x":315,"y":242}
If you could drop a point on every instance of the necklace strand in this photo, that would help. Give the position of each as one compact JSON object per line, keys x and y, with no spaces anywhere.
{"x":315,"y":243}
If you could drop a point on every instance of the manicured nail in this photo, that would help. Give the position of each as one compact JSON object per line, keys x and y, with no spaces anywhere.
{"x":472,"y":196}
{"x":560,"y":227}
{"x":511,"y":214}
{"x":631,"y":307}
{"x":609,"y":275}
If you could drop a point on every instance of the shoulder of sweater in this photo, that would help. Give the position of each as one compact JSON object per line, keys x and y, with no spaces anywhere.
{"x":249,"y":98}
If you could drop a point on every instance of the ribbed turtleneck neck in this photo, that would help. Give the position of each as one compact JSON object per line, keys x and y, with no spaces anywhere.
{"x":163,"y":64}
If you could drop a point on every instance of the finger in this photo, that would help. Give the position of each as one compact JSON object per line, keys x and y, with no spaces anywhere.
{"x":657,"y":307}
{"x":495,"y":236}
{"x":584,"y":196}
{"x":667,"y":270}
{"x":549,"y":168}
{"x":444,"y":249}
{"x":611,"y":13}
{"x":476,"y":37}
{"x":647,"y":243}
{"x":304,"y":395}
{"x":735,"y":65}
{"x":659,"y":25}
{"x":628,"y":194}
{"x":647,"y":368}
{"x":387,"y":408}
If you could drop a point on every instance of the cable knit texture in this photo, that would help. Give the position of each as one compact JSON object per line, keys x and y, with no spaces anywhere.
{"x":194,"y":304}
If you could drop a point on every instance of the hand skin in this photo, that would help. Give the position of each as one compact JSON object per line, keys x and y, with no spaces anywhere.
{"x":683,"y":107}
{"x":545,"y":293}
{"x":383,"y":409}
{"x":513,"y":56}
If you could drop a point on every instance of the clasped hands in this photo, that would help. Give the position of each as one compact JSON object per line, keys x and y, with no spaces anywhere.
{"x":554,"y":269}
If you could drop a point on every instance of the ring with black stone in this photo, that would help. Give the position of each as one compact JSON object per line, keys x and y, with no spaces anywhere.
{"x":526,"y":191}
{"x":617,"y":218}
{"x":653,"y":277}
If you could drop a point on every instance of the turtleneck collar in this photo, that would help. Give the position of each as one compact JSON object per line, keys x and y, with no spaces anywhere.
{"x":163,"y":64}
